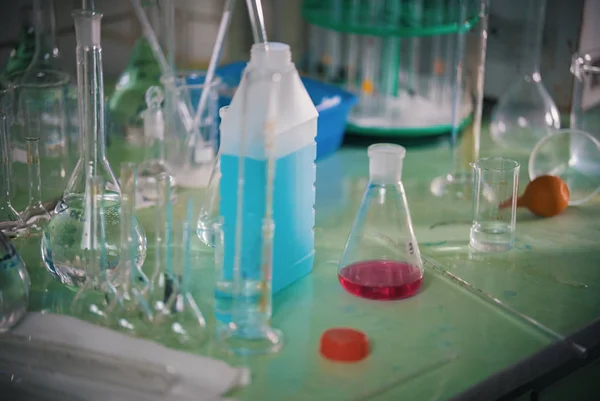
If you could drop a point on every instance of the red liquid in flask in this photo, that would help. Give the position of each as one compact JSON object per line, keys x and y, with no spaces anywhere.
{"x":383,"y":280}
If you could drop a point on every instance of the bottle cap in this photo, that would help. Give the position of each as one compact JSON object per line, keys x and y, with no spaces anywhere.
{"x":344,"y":345}
{"x":385,"y":162}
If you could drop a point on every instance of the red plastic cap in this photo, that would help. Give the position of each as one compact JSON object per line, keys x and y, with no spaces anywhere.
{"x":344,"y":345}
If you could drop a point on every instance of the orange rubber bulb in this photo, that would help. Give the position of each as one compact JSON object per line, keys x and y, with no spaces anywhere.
{"x":545,"y":196}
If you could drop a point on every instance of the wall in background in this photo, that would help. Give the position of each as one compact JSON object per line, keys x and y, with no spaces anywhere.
{"x":197,"y":24}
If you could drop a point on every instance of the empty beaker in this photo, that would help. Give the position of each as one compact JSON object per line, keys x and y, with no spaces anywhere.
{"x":526,"y":113}
{"x":381,"y":259}
{"x":14,"y":286}
{"x":495,"y":192}
{"x":66,"y":238}
{"x":190,"y":149}
{"x":572,"y":155}
{"x":10,"y":220}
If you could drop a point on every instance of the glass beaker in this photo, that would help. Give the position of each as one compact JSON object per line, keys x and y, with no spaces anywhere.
{"x":10,"y":220}
{"x":191,"y":151}
{"x":572,"y":155}
{"x":39,"y":104}
{"x":14,"y":286}
{"x":525,"y":113}
{"x":496,"y":181}
{"x":67,"y":235}
{"x":381,"y":259}
{"x":463,"y":83}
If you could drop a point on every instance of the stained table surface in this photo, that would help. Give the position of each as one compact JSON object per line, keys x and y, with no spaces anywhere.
{"x":475,"y":315}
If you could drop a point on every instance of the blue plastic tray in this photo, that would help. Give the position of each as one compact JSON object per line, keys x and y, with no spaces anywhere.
{"x":332,"y":120}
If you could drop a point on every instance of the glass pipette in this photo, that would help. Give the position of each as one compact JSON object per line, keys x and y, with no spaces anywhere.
{"x":353,"y":49}
{"x":257,"y":21}
{"x":214,"y":58}
{"x":250,"y":331}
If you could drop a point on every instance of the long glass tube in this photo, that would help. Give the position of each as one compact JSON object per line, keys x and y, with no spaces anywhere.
{"x":35,"y":214}
{"x":9,"y":218}
{"x":250,"y":331}
{"x":467,"y":84}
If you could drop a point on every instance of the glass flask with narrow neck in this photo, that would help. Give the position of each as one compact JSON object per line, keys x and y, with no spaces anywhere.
{"x":46,"y":55}
{"x":381,"y":259}
{"x":21,"y":56}
{"x":126,"y":103}
{"x":14,"y":286}
{"x":67,"y":235}
{"x":526,"y":112}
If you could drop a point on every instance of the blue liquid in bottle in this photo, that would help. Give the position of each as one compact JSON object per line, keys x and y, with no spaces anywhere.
{"x":293,"y":213}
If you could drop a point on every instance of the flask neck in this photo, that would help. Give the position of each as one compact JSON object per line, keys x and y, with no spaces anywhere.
{"x":4,"y":168}
{"x":532,"y":38}
{"x":33,"y":165}
{"x":90,"y":89}
{"x":46,"y":51}
{"x":273,"y":55}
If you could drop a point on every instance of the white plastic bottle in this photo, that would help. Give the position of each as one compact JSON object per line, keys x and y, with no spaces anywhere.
{"x":295,"y":172}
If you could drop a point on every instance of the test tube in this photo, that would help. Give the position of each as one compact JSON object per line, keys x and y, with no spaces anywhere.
{"x":496,"y":181}
{"x":371,"y":60}
{"x":334,"y":45}
{"x":353,"y":48}
{"x":391,"y":59}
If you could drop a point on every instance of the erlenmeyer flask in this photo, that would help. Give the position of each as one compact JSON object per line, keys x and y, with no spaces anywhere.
{"x":14,"y":286}
{"x":65,"y":238}
{"x":46,"y":55}
{"x":526,"y":112}
{"x":382,"y":260}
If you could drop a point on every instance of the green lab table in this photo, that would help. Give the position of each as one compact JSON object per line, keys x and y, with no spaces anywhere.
{"x":483,"y":327}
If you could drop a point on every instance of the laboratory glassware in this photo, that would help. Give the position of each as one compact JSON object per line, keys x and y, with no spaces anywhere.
{"x":191,"y":150}
{"x":14,"y":286}
{"x":46,"y":55}
{"x":496,"y":184}
{"x":11,"y":222}
{"x":154,"y":135}
{"x":66,"y":237}
{"x":127,"y":102}
{"x":35,"y":215}
{"x":467,"y":66}
{"x":172,"y":308}
{"x":382,"y":259}
{"x":250,"y":331}
{"x":295,"y":125}
{"x":526,"y":112}
{"x":90,"y":302}
{"x":574,"y":156}
{"x":40,"y":111}
{"x":20,"y":57}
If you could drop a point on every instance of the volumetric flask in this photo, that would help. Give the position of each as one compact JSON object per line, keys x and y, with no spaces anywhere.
{"x":382,"y":260}
{"x":572,"y":155}
{"x":66,"y":238}
{"x":190,"y":149}
{"x":496,"y":182}
{"x":14,"y":286}
{"x":526,"y":113}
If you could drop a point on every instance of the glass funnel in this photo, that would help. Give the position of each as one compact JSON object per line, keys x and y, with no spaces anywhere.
{"x":381,"y":259}
{"x":526,"y":112}
{"x":67,"y":235}
{"x":462,"y":70}
{"x":14,"y":286}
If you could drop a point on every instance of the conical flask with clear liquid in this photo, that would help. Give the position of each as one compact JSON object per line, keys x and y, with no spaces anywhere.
{"x":526,"y":112}
{"x":67,"y":236}
{"x":381,"y":259}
